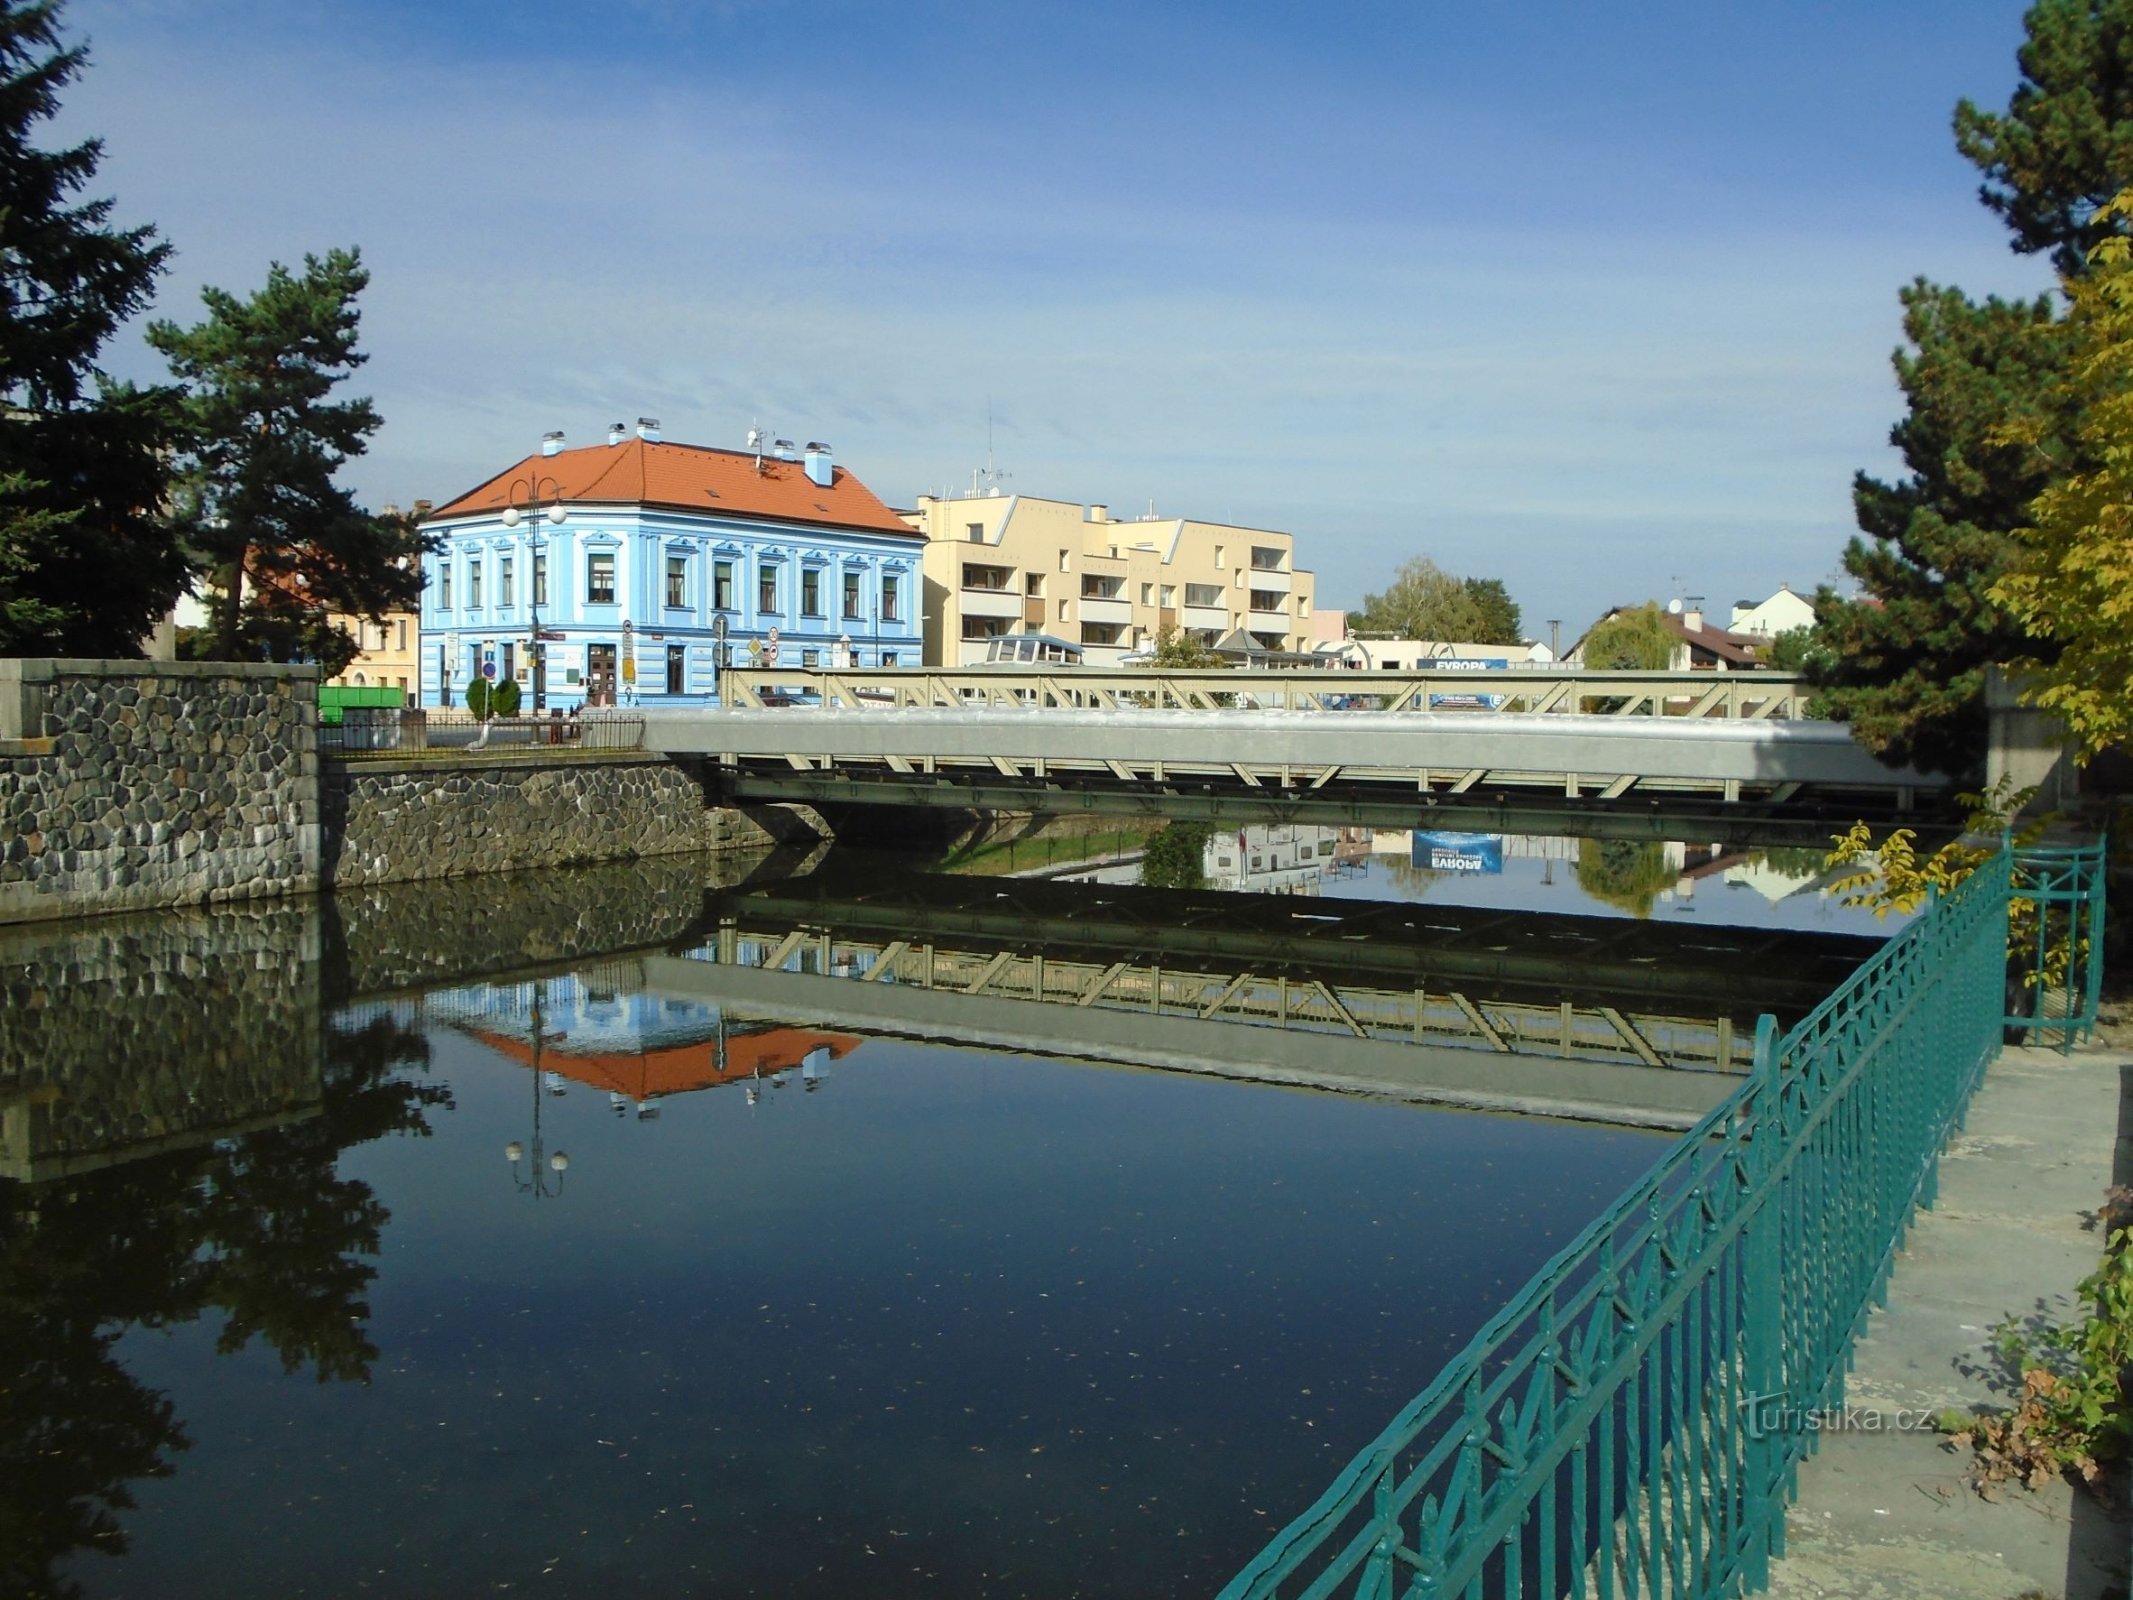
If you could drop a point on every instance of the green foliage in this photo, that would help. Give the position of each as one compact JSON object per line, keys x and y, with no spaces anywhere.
{"x":1633,"y":640}
{"x":87,"y":567}
{"x":1500,"y":620}
{"x":1905,"y":661}
{"x":1796,"y":650}
{"x":1424,"y":601}
{"x":1625,"y":873}
{"x":1178,"y":651}
{"x":503,"y":701}
{"x":1988,"y":423}
{"x":1890,"y":875}
{"x":478,"y":696}
{"x":1176,"y":855}
{"x":285,"y":546}
{"x":2074,"y":1414}
{"x":2066,"y":140}
{"x":2071,"y":583}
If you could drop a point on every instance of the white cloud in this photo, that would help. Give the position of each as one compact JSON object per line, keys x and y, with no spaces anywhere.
{"x":1554,"y":398}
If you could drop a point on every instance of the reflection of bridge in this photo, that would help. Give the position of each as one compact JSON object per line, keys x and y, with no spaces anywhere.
{"x":1572,"y":1015}
{"x":1541,"y":750}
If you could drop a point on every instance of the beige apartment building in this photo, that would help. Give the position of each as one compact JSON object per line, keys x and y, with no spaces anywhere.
{"x":388,"y":655}
{"x":1002,"y":563}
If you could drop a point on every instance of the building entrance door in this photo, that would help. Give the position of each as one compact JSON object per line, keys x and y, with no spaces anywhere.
{"x":600,"y":675}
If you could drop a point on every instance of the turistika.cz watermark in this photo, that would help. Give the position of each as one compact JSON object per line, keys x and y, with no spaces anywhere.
{"x":1767,"y":1415}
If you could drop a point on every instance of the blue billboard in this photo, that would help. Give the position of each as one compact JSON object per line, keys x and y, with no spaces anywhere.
{"x":1458,"y":852}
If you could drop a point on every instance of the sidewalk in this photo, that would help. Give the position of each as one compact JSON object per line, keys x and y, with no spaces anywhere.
{"x":1889,"y":1514}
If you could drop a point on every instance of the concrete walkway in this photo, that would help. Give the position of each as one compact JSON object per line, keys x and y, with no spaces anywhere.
{"x":1887,"y":1513}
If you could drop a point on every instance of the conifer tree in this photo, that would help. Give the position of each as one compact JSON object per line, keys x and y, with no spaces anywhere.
{"x":284,"y":545}
{"x":87,"y":563}
{"x":1989,"y":421}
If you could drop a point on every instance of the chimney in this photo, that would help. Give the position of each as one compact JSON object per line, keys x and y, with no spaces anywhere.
{"x":781,"y":449}
{"x":616,"y":433}
{"x":552,"y":443}
{"x":648,"y":429}
{"x":819,"y":471}
{"x":1099,"y":513}
{"x":1693,"y":618}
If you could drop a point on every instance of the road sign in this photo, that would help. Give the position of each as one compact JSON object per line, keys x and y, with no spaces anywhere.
{"x":773,"y":637}
{"x":488,"y":668}
{"x":718,"y":628}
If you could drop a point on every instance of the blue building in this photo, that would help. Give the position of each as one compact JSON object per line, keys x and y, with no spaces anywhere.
{"x":634,"y":563}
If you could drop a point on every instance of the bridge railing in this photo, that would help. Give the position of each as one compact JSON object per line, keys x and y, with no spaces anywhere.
{"x":1558,"y":690}
{"x":1631,"y":1422}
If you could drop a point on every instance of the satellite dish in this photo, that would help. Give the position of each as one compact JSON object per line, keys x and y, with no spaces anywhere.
{"x":1673,"y":608}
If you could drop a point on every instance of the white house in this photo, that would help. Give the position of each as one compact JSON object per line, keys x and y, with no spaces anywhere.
{"x":1781,"y":613}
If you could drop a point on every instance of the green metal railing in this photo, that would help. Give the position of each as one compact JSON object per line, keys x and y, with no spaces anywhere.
{"x":2056,"y":942}
{"x":1631,"y":1423}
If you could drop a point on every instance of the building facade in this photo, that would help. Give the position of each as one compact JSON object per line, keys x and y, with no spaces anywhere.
{"x":998,"y":564}
{"x":1781,"y":613}
{"x":388,"y":652}
{"x":642,"y":566}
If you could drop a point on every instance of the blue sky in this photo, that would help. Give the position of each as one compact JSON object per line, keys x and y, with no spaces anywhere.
{"x":1598,"y":300}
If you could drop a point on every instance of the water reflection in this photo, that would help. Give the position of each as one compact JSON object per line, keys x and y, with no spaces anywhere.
{"x":1778,"y":887}
{"x":993,"y":1312}
{"x":254,"y":1231}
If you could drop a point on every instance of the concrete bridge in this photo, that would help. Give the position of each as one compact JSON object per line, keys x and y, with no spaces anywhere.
{"x":1633,"y":755}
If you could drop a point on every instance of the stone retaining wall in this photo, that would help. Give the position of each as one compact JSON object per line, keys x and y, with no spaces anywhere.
{"x":400,"y":820}
{"x":131,"y":784}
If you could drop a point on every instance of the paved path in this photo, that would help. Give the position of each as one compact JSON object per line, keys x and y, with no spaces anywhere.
{"x":1888,"y":1514}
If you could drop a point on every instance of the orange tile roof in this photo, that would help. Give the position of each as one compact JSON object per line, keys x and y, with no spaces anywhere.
{"x":676,"y":1069}
{"x":686,"y":477}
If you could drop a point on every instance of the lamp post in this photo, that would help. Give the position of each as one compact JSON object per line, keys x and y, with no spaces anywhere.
{"x":535,"y":1182}
{"x":523,"y":504}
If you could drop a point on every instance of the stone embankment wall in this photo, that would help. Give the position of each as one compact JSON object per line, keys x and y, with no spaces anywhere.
{"x":129,"y":784}
{"x":128,"y":1035}
{"x":400,"y":820}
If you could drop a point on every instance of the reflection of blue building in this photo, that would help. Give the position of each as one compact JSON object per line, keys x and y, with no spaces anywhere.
{"x":633,"y":556}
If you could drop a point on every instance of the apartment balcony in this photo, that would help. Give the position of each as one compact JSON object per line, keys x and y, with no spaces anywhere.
{"x":1216,"y":617}
{"x":991,"y":603}
{"x":1270,"y":579}
{"x":1117,"y":612}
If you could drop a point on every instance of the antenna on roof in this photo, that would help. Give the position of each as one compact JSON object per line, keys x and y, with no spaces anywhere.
{"x":985,"y":481}
{"x":755,"y":443}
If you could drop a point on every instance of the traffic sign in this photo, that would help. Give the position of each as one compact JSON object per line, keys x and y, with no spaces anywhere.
{"x":773,"y":636}
{"x":488,"y":668}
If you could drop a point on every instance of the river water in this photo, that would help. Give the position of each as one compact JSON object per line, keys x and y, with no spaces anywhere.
{"x":431,"y":1242}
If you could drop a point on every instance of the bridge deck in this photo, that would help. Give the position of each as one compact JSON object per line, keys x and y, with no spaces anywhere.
{"x":1275,"y":739}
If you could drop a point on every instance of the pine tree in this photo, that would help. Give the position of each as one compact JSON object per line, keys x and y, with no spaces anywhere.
{"x":283,"y":544}
{"x":1905,"y":661}
{"x":2065,"y":145}
{"x":87,"y":564}
{"x":1500,"y":622}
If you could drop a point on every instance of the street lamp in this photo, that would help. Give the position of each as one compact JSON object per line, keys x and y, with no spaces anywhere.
{"x":523,"y":504}
{"x":543,"y":1164}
